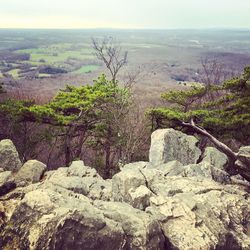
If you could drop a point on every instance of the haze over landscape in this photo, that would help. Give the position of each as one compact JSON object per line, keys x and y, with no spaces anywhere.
{"x":130,"y":14}
{"x":155,"y":46}
{"x":44,"y":41}
{"x":125,"y":124}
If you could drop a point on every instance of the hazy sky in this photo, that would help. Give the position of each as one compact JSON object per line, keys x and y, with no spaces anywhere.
{"x":161,"y":14}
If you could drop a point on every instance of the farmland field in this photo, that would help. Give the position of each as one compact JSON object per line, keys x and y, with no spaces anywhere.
{"x":46,"y":60}
{"x":86,"y":69}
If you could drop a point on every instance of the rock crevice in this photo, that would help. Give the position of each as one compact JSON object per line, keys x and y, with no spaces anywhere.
{"x":168,"y":203}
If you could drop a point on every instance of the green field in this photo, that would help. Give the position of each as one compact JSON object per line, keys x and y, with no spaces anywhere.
{"x":14,"y":72}
{"x":58,"y":53}
{"x":86,"y":69}
{"x":61,"y":55}
{"x":44,"y":75}
{"x":58,"y":57}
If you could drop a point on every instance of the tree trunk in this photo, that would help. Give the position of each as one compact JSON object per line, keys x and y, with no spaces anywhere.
{"x":82,"y":138}
{"x":67,"y":151}
{"x":232,"y":156}
{"x":107,"y":162}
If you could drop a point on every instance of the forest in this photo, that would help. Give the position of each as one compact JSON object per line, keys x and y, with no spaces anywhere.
{"x":124,"y":125}
{"x":104,"y":125}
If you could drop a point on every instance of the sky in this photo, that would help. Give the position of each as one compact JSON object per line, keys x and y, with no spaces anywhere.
{"x":126,"y":14}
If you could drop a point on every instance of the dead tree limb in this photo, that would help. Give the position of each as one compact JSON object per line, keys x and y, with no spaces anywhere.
{"x":221,"y":146}
{"x":233,"y":158}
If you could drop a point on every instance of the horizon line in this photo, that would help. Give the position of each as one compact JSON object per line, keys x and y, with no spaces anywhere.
{"x":110,"y":28}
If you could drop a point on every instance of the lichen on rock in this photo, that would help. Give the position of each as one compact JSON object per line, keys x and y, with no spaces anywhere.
{"x":171,"y":202}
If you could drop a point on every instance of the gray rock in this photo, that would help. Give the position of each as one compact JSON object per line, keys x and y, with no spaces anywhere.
{"x":171,"y":168}
{"x":169,"y":144}
{"x":9,"y":158}
{"x":126,"y":181}
{"x":244,"y":153}
{"x":145,"y":206}
{"x":74,"y":183}
{"x":141,"y":230}
{"x":202,"y":170}
{"x":191,"y":212}
{"x":6,"y":182}
{"x":214,"y":157}
{"x":206,"y":170}
{"x":101,"y":190}
{"x":5,"y":176}
{"x":197,"y":214}
{"x":46,"y":219}
{"x":81,"y":179}
{"x":243,"y":162}
{"x":77,"y":168}
{"x":139,"y":198}
{"x":136,"y":165}
{"x":30,"y":172}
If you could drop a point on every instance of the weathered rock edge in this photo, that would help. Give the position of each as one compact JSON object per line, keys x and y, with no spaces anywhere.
{"x":169,"y":203}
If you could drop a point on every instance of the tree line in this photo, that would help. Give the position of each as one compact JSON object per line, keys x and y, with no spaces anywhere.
{"x":101,"y":121}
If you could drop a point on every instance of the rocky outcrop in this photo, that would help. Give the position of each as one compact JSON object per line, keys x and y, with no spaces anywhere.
{"x":215,"y":158}
{"x":7,"y":182}
{"x":171,"y":202}
{"x":60,"y":219}
{"x":194,"y":212}
{"x":169,"y":144}
{"x":29,"y":173}
{"x":9,"y":159}
{"x":243,"y":161}
{"x":244,"y":154}
{"x":80,"y":179}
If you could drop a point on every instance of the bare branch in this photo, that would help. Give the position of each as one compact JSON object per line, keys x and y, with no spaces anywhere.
{"x":235,"y":162}
{"x":110,"y":53}
{"x":221,"y":146}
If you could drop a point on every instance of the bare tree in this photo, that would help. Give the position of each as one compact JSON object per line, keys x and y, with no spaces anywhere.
{"x":214,"y":72}
{"x":111,"y":54}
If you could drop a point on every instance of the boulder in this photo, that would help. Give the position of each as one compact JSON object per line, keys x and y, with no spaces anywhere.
{"x":142,"y":231}
{"x":5,"y":176}
{"x":171,"y":205}
{"x":205,"y":170}
{"x":201,"y":214}
{"x":77,"y":168}
{"x":9,"y":158}
{"x":195,"y":211}
{"x":244,"y":155}
{"x":126,"y":181}
{"x":80,"y":179}
{"x":171,"y":168}
{"x":169,"y":144}
{"x":136,"y":165}
{"x":46,"y":219}
{"x":139,"y":198}
{"x":61,"y":178}
{"x":7,"y":182}
{"x":243,"y":162}
{"x":214,"y":157}
{"x":30,"y":172}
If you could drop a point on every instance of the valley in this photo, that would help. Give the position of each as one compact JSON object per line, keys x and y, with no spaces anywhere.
{"x":46,"y":60}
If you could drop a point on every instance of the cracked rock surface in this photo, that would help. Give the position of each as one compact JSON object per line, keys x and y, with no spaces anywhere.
{"x":170,"y":205}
